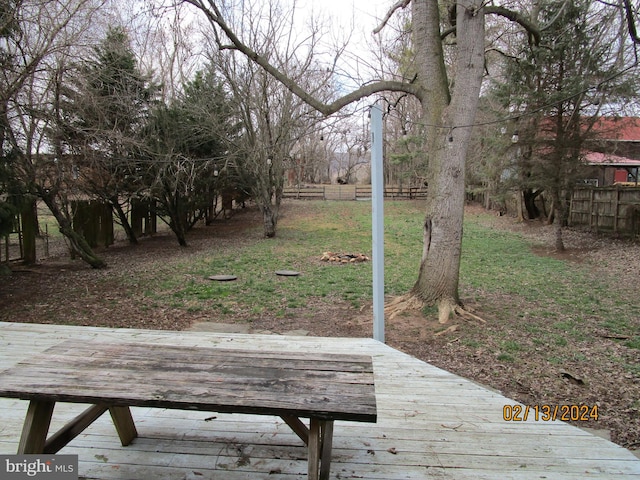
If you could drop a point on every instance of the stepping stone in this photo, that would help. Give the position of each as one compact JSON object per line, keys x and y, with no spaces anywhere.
{"x":223,"y":278}
{"x":287,"y":273}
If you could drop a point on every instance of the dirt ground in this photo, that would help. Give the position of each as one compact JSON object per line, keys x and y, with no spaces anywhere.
{"x":592,"y":371}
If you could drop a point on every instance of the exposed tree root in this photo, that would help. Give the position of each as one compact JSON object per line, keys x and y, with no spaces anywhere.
{"x":403,"y":303}
{"x":461,"y":311}
{"x":447,"y":308}
{"x":450,"y":329}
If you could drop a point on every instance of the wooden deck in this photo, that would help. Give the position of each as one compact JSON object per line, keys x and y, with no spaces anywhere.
{"x":431,"y":424}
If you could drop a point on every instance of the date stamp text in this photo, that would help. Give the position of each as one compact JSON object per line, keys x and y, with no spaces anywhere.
{"x":548,"y":413}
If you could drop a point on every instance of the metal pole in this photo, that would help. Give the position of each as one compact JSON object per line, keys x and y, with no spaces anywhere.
{"x":377,"y":221}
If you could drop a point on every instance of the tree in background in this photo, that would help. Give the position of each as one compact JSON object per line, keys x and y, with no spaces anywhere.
{"x":404,"y":132}
{"x":103,"y":109}
{"x":448,"y":107}
{"x":38,"y":39}
{"x":9,"y":31}
{"x":556,"y":91}
{"x":186,"y":148}
{"x":273,"y":120}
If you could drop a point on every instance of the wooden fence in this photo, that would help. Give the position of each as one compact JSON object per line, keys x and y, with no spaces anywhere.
{"x":393,"y":192}
{"x":352,"y":192}
{"x":607,"y":209}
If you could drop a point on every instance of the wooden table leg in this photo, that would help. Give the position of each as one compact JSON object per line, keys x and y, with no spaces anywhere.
{"x":74,"y":428}
{"x":314,"y":449}
{"x":36,"y":427}
{"x":123,"y":421}
{"x":38,"y":420}
{"x":320,"y":445}
{"x":327,"y":445}
{"x":298,"y":427}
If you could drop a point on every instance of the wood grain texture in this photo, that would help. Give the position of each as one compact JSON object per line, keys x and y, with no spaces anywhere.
{"x":335,"y":386}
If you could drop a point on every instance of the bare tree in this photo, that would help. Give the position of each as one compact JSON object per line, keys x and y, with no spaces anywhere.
{"x":347,"y":145}
{"x":273,"y":119}
{"x":47,"y":33}
{"x":447,"y":116}
{"x":309,"y":159}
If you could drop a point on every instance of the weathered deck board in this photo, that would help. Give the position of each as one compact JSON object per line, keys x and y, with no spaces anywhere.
{"x":337,"y":387}
{"x":430,"y":424}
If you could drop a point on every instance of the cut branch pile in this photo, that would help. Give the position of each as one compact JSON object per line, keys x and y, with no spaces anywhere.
{"x":344,"y":257}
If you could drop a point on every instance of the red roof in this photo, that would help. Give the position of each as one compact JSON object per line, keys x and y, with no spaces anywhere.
{"x":618,"y":128}
{"x":608,"y":160}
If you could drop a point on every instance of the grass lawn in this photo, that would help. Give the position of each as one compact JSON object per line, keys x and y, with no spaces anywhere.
{"x":494,"y":263}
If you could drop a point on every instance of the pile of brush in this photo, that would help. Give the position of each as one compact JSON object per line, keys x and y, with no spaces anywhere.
{"x":344,"y":257}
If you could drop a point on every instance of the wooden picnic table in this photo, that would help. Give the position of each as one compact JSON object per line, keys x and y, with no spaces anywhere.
{"x":116,"y":376}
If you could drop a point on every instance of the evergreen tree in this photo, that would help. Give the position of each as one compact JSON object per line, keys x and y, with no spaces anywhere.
{"x":104,"y":109}
{"x":556,"y":91}
{"x":187,"y":143}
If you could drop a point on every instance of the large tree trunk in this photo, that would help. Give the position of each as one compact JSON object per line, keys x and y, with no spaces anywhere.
{"x":442,"y":119}
{"x":439,"y":270}
{"x":558,"y":212}
{"x":177,"y":219}
{"x":530,"y":196}
{"x":269,"y":219}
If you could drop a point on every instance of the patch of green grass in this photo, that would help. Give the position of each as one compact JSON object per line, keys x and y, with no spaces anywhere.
{"x":47,"y":222}
{"x":617,"y":325}
{"x":511,"y":346}
{"x":532,"y":328}
{"x":501,"y":262}
{"x":556,"y":360}
{"x":560,"y":341}
{"x":471,"y":343}
{"x":633,"y":342}
{"x":299,"y":247}
{"x":579,"y":357}
{"x":565,"y":326}
{"x":506,"y":357}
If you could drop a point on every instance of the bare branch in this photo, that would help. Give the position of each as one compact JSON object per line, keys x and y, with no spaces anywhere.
{"x":555,"y":19}
{"x":633,"y":31}
{"x":399,"y":4}
{"x":215,"y":17}
{"x":530,"y":27}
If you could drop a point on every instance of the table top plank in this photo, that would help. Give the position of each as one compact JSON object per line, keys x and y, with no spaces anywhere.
{"x":338,"y":387}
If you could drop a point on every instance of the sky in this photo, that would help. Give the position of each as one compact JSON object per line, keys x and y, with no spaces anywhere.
{"x":354,"y":20}
{"x":366,"y":14}
{"x":358,"y":17}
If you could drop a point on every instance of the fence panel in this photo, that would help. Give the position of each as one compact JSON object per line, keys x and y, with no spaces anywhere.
{"x":611,"y":209}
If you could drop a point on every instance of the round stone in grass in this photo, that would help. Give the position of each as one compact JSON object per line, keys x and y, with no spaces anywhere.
{"x":223,"y":278}
{"x":287,"y":273}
